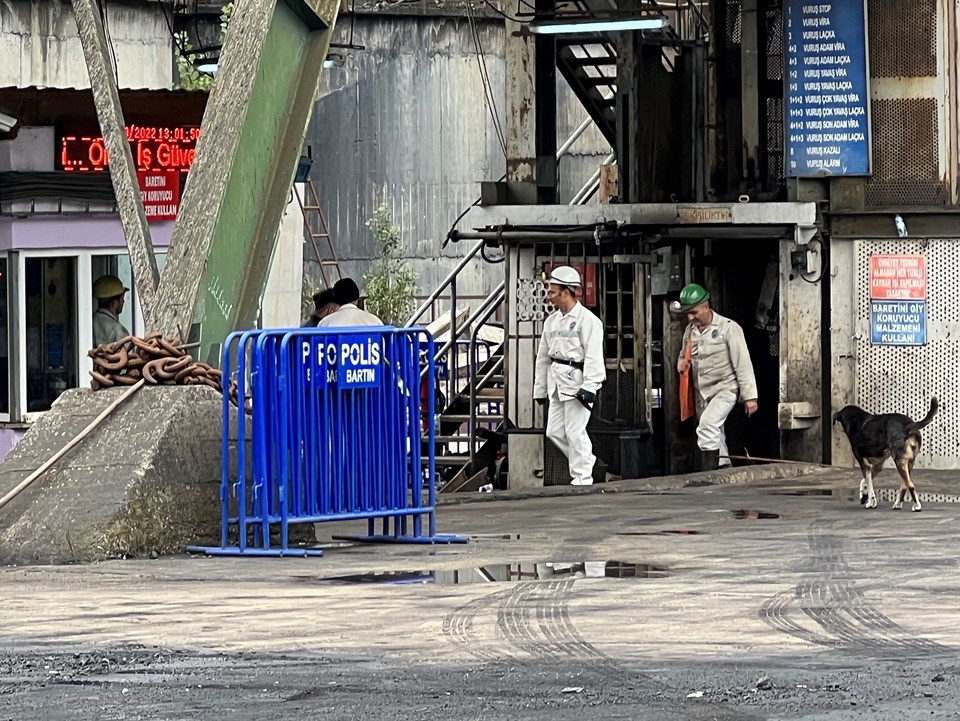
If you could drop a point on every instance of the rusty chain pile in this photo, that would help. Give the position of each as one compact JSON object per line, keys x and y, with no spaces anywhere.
{"x":154,"y":359}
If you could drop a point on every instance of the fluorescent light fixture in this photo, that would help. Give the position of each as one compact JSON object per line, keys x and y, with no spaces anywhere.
{"x":7,"y":122}
{"x":209,"y":68}
{"x":596,"y":25}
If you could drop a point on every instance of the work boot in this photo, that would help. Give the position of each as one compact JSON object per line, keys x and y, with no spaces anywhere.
{"x":709,"y":460}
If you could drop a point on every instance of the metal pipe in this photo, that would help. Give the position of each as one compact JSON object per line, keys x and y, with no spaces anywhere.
{"x":562,"y":150}
{"x":587,"y":190}
{"x":446,"y":281}
{"x":472,"y":350}
{"x":455,"y":371}
{"x":528,"y":235}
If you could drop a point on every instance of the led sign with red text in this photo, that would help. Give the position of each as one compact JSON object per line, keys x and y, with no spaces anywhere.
{"x":154,"y":149}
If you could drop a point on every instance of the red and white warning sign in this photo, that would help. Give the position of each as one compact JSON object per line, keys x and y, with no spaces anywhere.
{"x":161,"y":194}
{"x":898,"y":277}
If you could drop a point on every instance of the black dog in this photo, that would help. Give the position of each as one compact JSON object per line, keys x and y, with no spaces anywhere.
{"x":874,"y":439}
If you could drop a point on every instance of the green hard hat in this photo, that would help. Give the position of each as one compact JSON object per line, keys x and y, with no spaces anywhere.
{"x":691,"y":296}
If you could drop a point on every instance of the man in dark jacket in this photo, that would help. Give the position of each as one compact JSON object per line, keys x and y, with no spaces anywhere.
{"x":324,"y":303}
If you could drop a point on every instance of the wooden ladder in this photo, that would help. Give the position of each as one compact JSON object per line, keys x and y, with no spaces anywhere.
{"x":315,"y":224}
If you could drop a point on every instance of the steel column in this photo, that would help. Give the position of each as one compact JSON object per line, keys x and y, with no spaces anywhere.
{"x":253,"y":133}
{"x":545,"y":93}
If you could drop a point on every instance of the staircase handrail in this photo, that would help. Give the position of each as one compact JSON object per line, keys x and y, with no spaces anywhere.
{"x":495,"y":301}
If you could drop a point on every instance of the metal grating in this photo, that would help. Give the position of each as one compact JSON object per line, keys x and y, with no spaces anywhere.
{"x":532,"y":304}
{"x":903,"y":38}
{"x":774,"y":101}
{"x":734,"y":17}
{"x":775,"y":133}
{"x":906,"y":166}
{"x":902,"y":380}
{"x":774,"y":18}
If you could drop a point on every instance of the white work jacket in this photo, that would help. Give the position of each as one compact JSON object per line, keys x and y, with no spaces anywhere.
{"x":576,"y":336}
{"x":720,"y":359}
{"x":349,"y":316}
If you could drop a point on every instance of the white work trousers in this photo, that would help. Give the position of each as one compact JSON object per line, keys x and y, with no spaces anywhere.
{"x":712,"y":414}
{"x":567,"y":428}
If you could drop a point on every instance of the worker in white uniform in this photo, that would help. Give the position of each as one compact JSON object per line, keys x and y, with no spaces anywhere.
{"x":570,"y":371}
{"x":346,"y":294}
{"x":110,"y":294}
{"x":722,"y":372}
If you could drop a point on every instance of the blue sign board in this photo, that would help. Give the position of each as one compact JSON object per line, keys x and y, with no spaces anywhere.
{"x":349,"y":361}
{"x":360,"y":361}
{"x":898,"y":322}
{"x":826,"y":89}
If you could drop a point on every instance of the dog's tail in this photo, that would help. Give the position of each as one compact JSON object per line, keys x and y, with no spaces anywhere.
{"x":927,"y":419}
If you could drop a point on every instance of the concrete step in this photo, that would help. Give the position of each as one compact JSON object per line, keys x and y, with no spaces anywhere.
{"x":450,"y":439}
{"x":498,"y":394}
{"x":465,"y":418}
{"x":449,"y":460}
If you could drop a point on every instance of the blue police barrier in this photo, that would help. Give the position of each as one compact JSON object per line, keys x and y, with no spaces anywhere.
{"x":328,"y":429}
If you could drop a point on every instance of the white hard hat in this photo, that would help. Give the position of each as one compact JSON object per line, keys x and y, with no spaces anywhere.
{"x":564,"y":275}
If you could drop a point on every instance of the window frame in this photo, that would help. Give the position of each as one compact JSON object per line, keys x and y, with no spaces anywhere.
{"x":12,"y":347}
{"x":17,"y":319}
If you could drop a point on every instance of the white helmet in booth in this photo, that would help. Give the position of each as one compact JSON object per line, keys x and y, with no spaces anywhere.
{"x":565,"y":275}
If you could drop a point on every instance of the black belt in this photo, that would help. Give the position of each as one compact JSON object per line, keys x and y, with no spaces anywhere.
{"x":575,"y":364}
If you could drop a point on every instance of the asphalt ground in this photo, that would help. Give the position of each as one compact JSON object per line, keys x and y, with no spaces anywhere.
{"x":770,"y":598}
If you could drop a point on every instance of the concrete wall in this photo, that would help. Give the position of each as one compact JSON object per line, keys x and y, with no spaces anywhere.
{"x":280,"y":306}
{"x":32,"y":150}
{"x":39,"y":45}
{"x":404,"y":122}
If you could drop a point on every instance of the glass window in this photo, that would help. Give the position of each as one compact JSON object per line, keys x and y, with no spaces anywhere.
{"x":51,"y":329}
{"x":4,"y":340}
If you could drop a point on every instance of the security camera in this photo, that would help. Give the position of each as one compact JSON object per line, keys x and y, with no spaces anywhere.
{"x":7,"y":123}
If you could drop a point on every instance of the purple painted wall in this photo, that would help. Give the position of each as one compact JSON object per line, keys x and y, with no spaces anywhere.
{"x":76,"y":232}
{"x":9,"y":437}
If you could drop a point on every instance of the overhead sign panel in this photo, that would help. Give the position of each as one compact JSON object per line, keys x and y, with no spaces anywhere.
{"x":827,"y":89}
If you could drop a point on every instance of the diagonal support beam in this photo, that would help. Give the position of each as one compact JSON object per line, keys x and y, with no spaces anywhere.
{"x":123,"y":172}
{"x":252,"y":136}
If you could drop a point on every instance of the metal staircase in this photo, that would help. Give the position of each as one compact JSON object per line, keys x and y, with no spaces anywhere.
{"x":588,"y":62}
{"x":590,"y":69}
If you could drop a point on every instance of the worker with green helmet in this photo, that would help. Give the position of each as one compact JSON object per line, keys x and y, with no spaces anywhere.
{"x":110,"y":293}
{"x":720,"y":368}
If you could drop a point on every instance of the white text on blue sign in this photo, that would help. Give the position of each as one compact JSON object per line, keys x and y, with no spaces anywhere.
{"x":349,"y":361}
{"x":902,"y":323}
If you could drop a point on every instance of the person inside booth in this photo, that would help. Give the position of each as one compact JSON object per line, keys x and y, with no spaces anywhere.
{"x":110,"y":294}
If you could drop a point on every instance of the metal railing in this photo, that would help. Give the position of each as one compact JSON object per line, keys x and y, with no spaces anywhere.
{"x":492,"y":304}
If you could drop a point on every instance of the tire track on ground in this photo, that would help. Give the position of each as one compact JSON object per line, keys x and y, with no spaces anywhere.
{"x":827,"y":594}
{"x":530,"y":619}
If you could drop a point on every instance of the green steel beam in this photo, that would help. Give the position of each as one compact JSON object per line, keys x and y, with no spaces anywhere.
{"x":252,"y":135}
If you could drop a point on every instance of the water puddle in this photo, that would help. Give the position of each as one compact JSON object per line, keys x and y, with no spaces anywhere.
{"x":505,"y":573}
{"x":753,"y":515}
